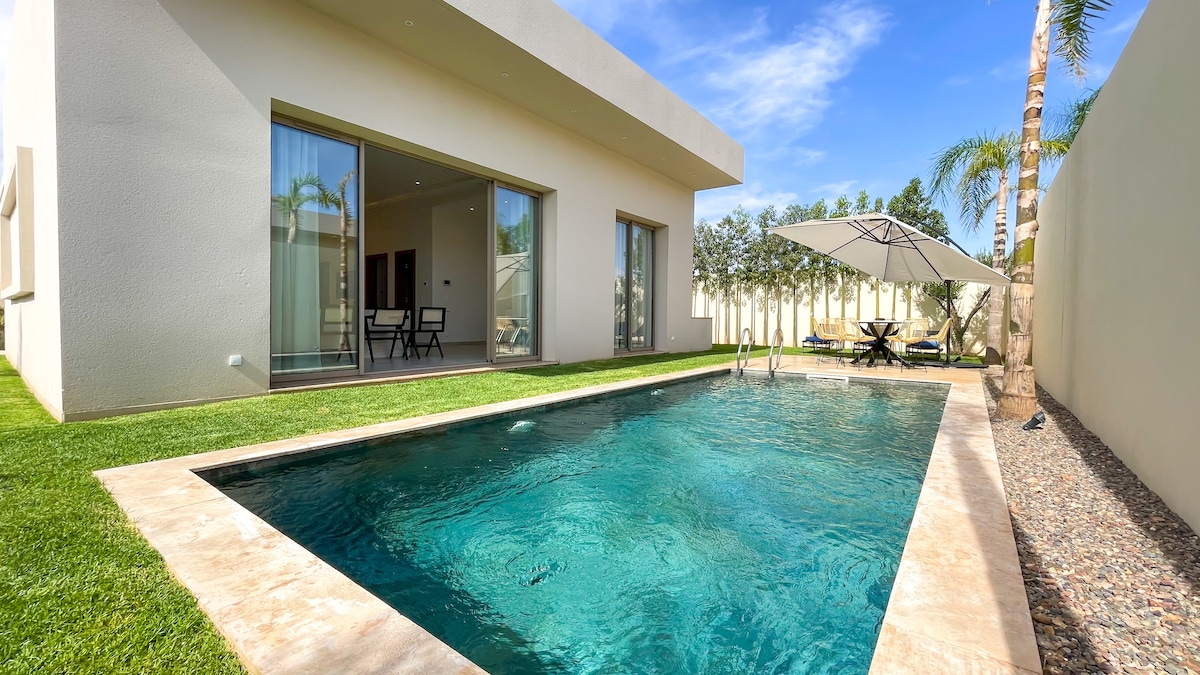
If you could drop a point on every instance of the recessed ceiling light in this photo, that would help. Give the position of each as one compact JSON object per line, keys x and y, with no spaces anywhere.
{"x":662,"y":157}
{"x":505,"y":201}
{"x":574,"y":110}
{"x":418,"y":182}
{"x":408,"y":23}
{"x":472,"y":208}
{"x":624,"y":138}
{"x":503,"y":74}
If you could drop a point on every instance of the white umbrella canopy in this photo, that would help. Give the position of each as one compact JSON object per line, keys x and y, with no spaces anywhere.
{"x":889,"y":250}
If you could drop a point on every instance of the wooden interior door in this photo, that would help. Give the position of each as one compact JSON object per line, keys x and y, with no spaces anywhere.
{"x":377,"y":281}
{"x":406,"y":279}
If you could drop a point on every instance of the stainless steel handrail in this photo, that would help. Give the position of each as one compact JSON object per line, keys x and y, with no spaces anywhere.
{"x":776,"y":343}
{"x":747,"y":339}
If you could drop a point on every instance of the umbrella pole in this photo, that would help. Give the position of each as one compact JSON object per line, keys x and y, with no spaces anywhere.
{"x":950,"y":319}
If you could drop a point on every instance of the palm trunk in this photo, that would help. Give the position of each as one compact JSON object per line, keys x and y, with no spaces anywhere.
{"x":991,"y":355}
{"x":1018,"y":398}
{"x":825,"y":288}
{"x":343,"y":282}
{"x":878,"y":312}
{"x":894,"y":291}
{"x":908,"y":301}
{"x":857,"y":298}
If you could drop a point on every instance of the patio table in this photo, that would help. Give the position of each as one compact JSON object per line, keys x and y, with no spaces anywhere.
{"x":880,"y":330}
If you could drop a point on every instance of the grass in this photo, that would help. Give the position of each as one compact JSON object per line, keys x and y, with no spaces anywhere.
{"x":81,"y":591}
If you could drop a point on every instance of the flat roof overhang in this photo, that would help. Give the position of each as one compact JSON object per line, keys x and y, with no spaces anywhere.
{"x":557,"y":69}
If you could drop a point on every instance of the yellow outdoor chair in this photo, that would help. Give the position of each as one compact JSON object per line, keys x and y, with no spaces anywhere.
{"x":930,"y":343}
{"x":912,"y":331}
{"x":830,"y":331}
{"x":852,"y":332}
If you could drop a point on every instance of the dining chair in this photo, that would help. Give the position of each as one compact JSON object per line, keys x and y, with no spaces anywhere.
{"x":431,"y":320}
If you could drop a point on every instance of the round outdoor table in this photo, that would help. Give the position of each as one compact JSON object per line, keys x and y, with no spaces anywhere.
{"x":880,"y":330}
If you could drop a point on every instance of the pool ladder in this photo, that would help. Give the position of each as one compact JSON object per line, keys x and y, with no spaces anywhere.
{"x":747,"y":341}
{"x":776,"y":344}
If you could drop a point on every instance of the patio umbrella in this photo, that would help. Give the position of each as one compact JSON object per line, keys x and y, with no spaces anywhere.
{"x":892,"y":251}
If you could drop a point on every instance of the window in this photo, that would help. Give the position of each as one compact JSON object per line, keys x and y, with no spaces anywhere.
{"x":634,"y":287}
{"x":16,"y":229}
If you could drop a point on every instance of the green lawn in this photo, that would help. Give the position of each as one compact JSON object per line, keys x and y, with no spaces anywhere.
{"x":81,"y":591}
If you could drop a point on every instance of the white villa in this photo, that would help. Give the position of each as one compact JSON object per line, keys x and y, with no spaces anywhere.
{"x":208,"y":200}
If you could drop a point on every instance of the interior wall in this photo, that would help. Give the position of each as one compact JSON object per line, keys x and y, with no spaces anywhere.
{"x":401,"y":226}
{"x":1115,"y":258}
{"x":460,"y":256}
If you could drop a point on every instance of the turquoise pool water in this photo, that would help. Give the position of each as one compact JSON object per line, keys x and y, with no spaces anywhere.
{"x":724,"y":525}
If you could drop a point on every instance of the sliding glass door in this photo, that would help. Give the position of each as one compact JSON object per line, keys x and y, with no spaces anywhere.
{"x":634,"y":287}
{"x":516,"y":273}
{"x":314,"y":254}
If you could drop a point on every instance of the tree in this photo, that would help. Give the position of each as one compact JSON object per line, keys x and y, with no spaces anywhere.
{"x":975,"y":170}
{"x":1072,"y":23}
{"x":301,"y":191}
{"x":1065,"y":124}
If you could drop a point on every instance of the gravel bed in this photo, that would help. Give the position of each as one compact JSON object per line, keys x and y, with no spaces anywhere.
{"x":1112,"y":574}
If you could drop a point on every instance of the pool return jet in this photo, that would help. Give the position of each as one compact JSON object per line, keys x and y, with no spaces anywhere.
{"x":892,"y":251}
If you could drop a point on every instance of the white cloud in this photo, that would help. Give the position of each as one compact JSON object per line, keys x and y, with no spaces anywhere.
{"x":1125,"y":25}
{"x":602,"y":15}
{"x":787,"y":84}
{"x":712,"y":205}
{"x":957,"y":81}
{"x":835,"y":190}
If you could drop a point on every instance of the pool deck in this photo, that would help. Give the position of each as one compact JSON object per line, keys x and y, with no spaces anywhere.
{"x":958,"y":604}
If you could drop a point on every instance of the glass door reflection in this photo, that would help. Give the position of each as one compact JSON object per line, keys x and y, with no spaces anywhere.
{"x":516,"y":274}
{"x":314,"y":254}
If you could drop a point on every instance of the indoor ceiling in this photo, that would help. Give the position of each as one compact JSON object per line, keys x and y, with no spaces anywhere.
{"x":390,"y":176}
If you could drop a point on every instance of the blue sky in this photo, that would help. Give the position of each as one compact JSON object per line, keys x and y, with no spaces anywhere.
{"x":840,"y":96}
{"x":837,"y":96}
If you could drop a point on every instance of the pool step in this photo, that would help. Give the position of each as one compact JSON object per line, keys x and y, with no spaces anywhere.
{"x":823,"y":376}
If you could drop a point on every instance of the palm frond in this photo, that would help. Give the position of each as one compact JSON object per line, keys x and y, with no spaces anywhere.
{"x":1072,"y":22}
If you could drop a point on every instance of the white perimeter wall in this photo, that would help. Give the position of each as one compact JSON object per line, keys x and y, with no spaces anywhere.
{"x":163,"y":116}
{"x":1116,"y":310}
{"x":32,"y":325}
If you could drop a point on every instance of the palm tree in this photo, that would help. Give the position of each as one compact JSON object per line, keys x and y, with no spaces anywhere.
{"x":301,"y":190}
{"x":337,"y":199}
{"x":1072,"y":25}
{"x":975,"y":170}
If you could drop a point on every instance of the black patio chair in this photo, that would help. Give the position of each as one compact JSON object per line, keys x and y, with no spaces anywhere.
{"x":384,"y":324}
{"x":430,"y":320}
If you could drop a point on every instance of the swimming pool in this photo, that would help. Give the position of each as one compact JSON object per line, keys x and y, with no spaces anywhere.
{"x":719,"y":525}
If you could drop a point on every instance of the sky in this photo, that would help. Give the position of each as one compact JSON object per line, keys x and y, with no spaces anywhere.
{"x":833,"y":97}
{"x":837,"y":96}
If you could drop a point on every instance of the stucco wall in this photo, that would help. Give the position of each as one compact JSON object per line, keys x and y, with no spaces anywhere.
{"x":164,"y":112}
{"x":1116,"y":275}
{"x":32,"y":325}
